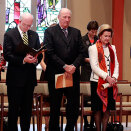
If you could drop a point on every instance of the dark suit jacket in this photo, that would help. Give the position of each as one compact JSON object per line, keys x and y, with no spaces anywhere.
{"x":85,"y":67}
{"x":17,"y":72}
{"x":61,"y":51}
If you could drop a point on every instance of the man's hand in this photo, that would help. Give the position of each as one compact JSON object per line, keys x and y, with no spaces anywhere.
{"x":70,"y":68}
{"x":30,"y":59}
{"x":68,"y":75}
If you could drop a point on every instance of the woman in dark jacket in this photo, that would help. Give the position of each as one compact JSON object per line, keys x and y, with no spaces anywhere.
{"x":88,"y":39}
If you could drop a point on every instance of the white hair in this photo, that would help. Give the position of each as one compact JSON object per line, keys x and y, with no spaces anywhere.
{"x":25,"y":15}
{"x":63,"y":9}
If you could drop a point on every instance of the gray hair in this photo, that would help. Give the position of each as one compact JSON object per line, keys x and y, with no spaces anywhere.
{"x":62,"y":9}
{"x":26,"y":14}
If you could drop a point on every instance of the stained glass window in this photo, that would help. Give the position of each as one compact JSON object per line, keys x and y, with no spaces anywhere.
{"x":47,"y":11}
{"x":13,"y":10}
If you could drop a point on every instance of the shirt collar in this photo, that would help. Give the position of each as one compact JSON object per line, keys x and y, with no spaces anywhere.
{"x":63,"y":28}
{"x":21,"y":32}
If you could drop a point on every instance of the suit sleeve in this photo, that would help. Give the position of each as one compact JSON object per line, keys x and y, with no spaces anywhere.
{"x":48,"y":39}
{"x":93,"y":55}
{"x":37,"y":47}
{"x":8,"y":50}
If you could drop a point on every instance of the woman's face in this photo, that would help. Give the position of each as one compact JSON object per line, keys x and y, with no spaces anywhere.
{"x":105,"y":37}
{"x":92,"y":33}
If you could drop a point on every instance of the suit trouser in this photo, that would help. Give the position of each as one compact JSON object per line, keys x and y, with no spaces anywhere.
{"x":72,"y":108}
{"x":20,"y":104}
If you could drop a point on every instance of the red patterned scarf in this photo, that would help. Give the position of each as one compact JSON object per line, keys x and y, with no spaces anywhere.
{"x":103,"y":93}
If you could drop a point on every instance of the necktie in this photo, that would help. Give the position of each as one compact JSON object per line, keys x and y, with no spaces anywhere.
{"x":65,"y":32}
{"x":25,"y":38}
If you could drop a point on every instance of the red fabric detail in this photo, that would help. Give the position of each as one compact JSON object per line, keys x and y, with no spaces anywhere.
{"x":103,"y":93}
{"x":2,"y":60}
{"x":1,"y":47}
{"x":92,"y":41}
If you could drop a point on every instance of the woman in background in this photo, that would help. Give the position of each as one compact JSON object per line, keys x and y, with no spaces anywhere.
{"x":88,"y":39}
{"x":43,"y":65}
{"x":2,"y":61}
{"x":43,"y":76}
{"x":105,"y":69}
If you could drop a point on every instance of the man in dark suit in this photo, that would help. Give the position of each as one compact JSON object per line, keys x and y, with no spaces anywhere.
{"x":21,"y":72}
{"x":64,"y":55}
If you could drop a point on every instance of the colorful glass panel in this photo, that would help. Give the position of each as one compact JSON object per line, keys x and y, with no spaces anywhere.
{"x":47,"y":11}
{"x":13,"y":10}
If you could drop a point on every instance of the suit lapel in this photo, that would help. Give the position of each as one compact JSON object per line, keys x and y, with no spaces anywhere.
{"x":17,"y":35}
{"x":69,"y":34}
{"x":29,"y":38}
{"x":62,"y":35}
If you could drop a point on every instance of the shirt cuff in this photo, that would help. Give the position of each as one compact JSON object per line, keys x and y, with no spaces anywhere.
{"x":24,"y":62}
{"x":64,"y":66}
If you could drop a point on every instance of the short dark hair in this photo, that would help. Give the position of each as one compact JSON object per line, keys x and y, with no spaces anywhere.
{"x":92,"y":25}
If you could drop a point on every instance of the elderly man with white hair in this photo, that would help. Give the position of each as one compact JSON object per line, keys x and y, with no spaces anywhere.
{"x":21,"y":72}
{"x":64,"y":55}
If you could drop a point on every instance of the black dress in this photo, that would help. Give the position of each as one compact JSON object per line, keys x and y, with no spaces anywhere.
{"x":96,"y":103}
{"x":43,"y":76}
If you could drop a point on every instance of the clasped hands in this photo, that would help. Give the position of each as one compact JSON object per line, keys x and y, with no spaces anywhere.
{"x":69,"y":70}
{"x":30,"y":59}
{"x":111,"y":80}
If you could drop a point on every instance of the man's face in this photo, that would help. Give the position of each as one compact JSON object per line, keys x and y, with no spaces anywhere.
{"x":25,"y":24}
{"x":64,"y":18}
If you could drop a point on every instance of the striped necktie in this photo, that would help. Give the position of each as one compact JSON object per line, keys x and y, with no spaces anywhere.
{"x":65,"y":32}
{"x":25,"y":38}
